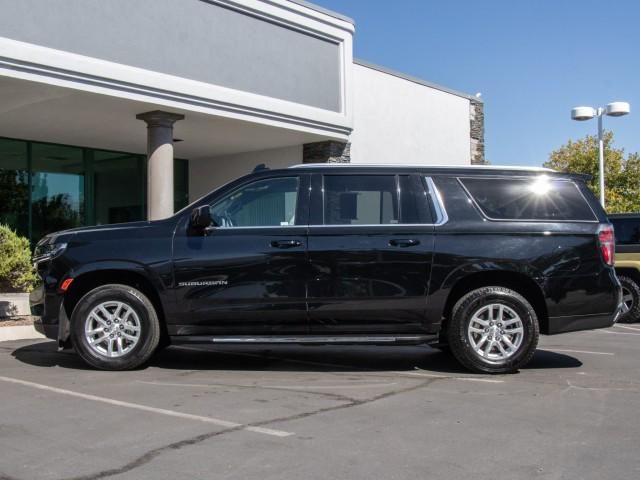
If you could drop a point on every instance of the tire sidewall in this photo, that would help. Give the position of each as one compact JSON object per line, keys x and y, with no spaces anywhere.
{"x":148,"y":327}
{"x":470,"y":304}
{"x":630,"y":284}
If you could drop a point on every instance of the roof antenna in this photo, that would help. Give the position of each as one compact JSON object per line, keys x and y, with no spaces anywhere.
{"x":260,"y":167}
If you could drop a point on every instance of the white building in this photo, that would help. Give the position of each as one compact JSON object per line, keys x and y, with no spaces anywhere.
{"x":223,"y":85}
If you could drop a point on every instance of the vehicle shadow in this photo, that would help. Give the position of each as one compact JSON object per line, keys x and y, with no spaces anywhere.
{"x":290,"y":358}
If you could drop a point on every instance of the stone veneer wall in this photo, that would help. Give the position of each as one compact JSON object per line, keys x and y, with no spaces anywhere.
{"x":330,"y":151}
{"x":476,"y":119}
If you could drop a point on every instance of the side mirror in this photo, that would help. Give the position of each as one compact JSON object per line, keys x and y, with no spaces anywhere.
{"x":200,"y":218}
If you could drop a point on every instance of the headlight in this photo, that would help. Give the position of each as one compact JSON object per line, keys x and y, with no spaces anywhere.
{"x":48,"y":251}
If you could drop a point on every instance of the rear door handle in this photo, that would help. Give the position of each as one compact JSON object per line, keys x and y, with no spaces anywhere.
{"x":285,"y":243}
{"x":404,"y":242}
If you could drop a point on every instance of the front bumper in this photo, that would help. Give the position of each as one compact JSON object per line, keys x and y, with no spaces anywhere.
{"x":51,"y":316}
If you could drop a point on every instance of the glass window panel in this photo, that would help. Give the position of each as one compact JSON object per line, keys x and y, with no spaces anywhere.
{"x":14,"y":185}
{"x":57,"y":196}
{"x":414,"y":207}
{"x":263,"y":203}
{"x":180,"y":184}
{"x":539,"y":198}
{"x":118,"y":185}
{"x":360,"y":200}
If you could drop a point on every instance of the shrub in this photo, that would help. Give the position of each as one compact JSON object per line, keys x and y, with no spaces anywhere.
{"x":16,"y":270}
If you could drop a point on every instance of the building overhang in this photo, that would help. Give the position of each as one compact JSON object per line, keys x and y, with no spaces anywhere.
{"x":50,"y":113}
{"x":275,"y":91}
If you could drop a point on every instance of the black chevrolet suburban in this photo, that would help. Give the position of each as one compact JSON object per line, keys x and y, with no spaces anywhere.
{"x":475,"y":260}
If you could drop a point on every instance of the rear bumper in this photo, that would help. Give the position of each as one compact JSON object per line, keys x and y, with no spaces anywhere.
{"x":585,"y":322}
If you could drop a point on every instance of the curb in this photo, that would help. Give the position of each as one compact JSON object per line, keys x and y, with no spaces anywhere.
{"x":19,"y":332}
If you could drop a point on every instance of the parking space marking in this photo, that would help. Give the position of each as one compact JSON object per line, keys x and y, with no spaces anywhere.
{"x":615,"y":333}
{"x":580,"y":351}
{"x":628,"y":328}
{"x":146,"y":408}
{"x":463,"y":379}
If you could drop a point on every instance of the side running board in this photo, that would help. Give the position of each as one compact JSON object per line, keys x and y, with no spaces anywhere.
{"x":304,"y":339}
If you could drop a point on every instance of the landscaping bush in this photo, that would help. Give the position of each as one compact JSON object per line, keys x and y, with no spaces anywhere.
{"x":16,"y":270}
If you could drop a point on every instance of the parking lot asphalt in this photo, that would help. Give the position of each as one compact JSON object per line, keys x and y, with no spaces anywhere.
{"x":296,"y":412}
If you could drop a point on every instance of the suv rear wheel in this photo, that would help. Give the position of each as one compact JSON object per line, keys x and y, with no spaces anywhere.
{"x":493,"y":330}
{"x":115,"y":327}
{"x":631,"y":298}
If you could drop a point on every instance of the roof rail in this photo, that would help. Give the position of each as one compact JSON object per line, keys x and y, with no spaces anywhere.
{"x":388,"y":165}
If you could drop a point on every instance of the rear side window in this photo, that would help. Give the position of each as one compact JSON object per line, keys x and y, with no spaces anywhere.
{"x":627,"y":230}
{"x":360,"y":200}
{"x":539,"y":198}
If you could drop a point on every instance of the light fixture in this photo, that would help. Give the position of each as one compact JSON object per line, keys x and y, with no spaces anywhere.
{"x":613,"y":109}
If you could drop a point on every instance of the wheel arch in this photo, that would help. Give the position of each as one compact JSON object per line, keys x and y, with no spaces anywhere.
{"x":629,"y":271}
{"x":88,"y":280}
{"x":519,"y":282}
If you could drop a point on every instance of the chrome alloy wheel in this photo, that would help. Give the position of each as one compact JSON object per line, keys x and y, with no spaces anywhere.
{"x":495,"y":332}
{"x":627,"y":297}
{"x":112,"y":329}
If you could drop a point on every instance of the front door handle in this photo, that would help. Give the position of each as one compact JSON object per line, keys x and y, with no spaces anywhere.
{"x":404,"y":242}
{"x":285,"y":243}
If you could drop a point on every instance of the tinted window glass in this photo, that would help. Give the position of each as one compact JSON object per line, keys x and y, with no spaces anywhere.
{"x":627,"y":230}
{"x":538,"y":198}
{"x":360,"y":200}
{"x":263,"y":203}
{"x":414,"y":206}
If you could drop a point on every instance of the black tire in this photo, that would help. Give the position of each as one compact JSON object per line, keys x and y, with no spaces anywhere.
{"x":461,"y":316}
{"x":631,"y":296}
{"x":149,"y":327}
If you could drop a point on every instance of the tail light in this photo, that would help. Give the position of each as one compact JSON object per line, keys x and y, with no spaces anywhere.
{"x":607,"y":242}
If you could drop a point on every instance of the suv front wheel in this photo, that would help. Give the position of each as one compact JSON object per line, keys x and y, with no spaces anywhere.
{"x":115,"y":327}
{"x":493,"y":330}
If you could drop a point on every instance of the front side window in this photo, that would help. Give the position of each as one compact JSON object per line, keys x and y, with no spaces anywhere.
{"x":539,"y":198}
{"x":360,"y":200}
{"x":263,"y":203}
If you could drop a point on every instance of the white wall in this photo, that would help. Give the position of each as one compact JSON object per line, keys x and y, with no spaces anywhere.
{"x":207,"y":174}
{"x":400,"y":121}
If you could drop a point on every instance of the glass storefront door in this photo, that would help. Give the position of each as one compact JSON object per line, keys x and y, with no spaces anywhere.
{"x":14,"y":185}
{"x":46,"y":187}
{"x":57,"y":188}
{"x":118,"y":186}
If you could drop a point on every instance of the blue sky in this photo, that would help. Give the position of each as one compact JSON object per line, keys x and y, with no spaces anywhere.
{"x":532,"y":60}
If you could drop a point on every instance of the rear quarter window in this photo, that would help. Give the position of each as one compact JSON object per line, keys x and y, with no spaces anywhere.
{"x":538,"y":198}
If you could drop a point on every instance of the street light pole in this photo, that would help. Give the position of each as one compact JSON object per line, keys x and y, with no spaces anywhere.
{"x":614,"y":109}
{"x":601,"y":154}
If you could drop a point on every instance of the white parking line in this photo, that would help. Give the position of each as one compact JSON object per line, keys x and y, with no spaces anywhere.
{"x":615,"y":333}
{"x":627,"y":327}
{"x":463,"y":379}
{"x":145,"y":408}
{"x":580,"y":351}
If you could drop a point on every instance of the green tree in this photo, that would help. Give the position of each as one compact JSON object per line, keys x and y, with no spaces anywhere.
{"x":622,"y":174}
{"x":16,"y":270}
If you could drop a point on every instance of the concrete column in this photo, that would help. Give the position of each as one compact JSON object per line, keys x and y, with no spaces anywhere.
{"x":159,"y":162}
